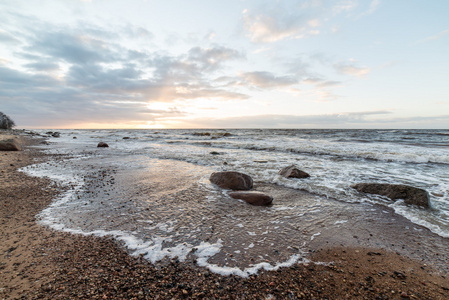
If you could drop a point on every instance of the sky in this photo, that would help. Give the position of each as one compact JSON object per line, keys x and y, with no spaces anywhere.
{"x":225,"y":64}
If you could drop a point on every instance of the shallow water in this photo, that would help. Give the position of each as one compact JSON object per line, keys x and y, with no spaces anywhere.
{"x":152,"y":192}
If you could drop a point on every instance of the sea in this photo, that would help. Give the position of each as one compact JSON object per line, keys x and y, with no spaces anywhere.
{"x":150,"y":191}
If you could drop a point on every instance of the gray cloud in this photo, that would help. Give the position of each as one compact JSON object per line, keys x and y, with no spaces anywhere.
{"x":350,"y":119}
{"x":73,"y":48}
{"x":87,"y":74}
{"x":5,"y":37}
{"x":367,"y":119}
{"x":268,"y":80}
{"x":42,"y":66}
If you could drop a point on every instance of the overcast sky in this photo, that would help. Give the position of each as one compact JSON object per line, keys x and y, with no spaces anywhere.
{"x":227,"y":64}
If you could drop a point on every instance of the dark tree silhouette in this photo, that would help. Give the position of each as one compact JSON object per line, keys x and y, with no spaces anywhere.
{"x":6,"y":122}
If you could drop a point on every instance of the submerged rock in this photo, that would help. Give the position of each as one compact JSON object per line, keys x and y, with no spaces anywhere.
{"x":10,"y":145}
{"x":410,"y":195}
{"x":293,"y":172}
{"x":56,"y":134}
{"x":201,"y":133}
{"x":232,"y":180}
{"x":102,"y":145}
{"x":253,"y":198}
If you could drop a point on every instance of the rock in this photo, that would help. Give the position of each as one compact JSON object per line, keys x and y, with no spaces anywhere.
{"x":232,"y":180}
{"x":102,"y":145}
{"x":56,"y":134}
{"x":10,"y":145}
{"x":293,"y":172}
{"x":74,"y":137}
{"x":201,"y":133}
{"x":214,"y":153}
{"x":253,"y":198}
{"x":409,"y":194}
{"x":126,"y":137}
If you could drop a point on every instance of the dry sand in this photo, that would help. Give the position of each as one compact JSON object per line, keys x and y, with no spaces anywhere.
{"x":38,"y":263}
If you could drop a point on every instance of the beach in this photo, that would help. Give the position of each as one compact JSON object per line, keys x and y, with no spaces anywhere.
{"x":38,"y":262}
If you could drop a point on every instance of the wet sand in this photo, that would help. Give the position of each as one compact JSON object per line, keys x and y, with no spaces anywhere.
{"x":36,"y":262}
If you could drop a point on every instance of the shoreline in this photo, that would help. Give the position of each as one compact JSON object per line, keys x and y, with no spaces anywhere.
{"x":39,"y":263}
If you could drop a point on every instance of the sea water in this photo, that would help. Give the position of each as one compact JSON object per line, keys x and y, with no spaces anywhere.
{"x":150,"y":190}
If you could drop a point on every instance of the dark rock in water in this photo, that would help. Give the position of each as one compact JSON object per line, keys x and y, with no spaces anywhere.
{"x":232,"y":180}
{"x":102,"y":145}
{"x":74,"y":137}
{"x":56,"y":134}
{"x":10,"y":145}
{"x":293,"y":172}
{"x":253,"y":198}
{"x":201,"y":133}
{"x":126,"y":138}
{"x":214,"y":153}
{"x":409,"y":194}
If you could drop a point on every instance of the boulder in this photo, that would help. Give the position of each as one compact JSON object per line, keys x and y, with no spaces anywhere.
{"x":56,"y":134}
{"x":232,"y":180}
{"x":293,"y":172}
{"x":10,"y":145}
{"x":126,"y":137}
{"x":102,"y":145}
{"x":253,"y":198}
{"x":410,"y":195}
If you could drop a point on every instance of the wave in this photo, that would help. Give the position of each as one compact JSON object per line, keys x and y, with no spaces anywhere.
{"x":385,"y":153}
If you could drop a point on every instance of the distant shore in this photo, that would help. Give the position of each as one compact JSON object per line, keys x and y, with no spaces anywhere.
{"x":39,"y":263}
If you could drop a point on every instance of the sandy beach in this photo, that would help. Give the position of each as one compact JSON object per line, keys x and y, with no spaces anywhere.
{"x":39,"y":263}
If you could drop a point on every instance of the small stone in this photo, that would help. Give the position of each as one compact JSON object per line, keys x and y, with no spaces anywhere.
{"x":102,"y":145}
{"x":232,"y":180}
{"x":293,"y":172}
{"x":253,"y":198}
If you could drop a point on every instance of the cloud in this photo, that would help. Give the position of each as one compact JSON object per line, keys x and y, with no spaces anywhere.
{"x":278,"y":23}
{"x":279,"y":20}
{"x":350,"y":68}
{"x":321,"y":82}
{"x":363,"y":119}
{"x":42,"y":66}
{"x":73,"y":48}
{"x":265,"y":80}
{"x":71,"y":75}
{"x":210,"y":59}
{"x":433,"y":37}
{"x":338,"y":120}
{"x":6,"y":37}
